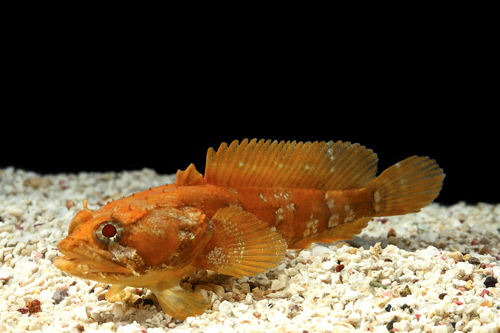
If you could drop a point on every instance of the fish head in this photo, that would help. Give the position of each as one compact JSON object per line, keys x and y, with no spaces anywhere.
{"x":126,"y":241}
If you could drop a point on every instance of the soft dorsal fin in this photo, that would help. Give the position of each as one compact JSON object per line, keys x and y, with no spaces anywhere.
{"x":190,"y":176}
{"x":317,"y":165}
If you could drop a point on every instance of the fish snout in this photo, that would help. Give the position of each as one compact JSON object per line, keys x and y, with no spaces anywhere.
{"x":67,"y":245}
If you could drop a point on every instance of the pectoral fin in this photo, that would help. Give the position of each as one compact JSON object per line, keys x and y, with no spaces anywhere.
{"x":242,"y":244}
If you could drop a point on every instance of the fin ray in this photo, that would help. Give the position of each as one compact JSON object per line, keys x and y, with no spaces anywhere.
{"x":115,"y":293}
{"x":180,"y":303}
{"x":407,"y":186}
{"x":190,"y":176}
{"x":243,"y":244}
{"x":317,"y":165}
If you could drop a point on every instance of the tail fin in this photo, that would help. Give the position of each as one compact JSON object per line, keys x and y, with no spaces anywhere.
{"x":407,"y":186}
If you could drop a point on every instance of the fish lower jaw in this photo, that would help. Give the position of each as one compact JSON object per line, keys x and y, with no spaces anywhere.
{"x":91,"y":269}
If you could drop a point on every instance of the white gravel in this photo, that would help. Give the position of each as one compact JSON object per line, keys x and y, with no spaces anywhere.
{"x":434,"y":271}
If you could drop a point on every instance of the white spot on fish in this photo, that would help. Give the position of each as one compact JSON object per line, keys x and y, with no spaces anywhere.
{"x":278,"y":213}
{"x":311,"y":228}
{"x":333,"y":221}
{"x":330,"y":152}
{"x":377,"y":196}
{"x":217,"y":257}
{"x":330,"y":202}
{"x":185,"y":235}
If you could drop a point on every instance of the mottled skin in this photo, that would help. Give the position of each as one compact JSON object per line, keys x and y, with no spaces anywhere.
{"x":234,"y":227}
{"x":282,"y":209}
{"x":300,"y":213}
{"x":158,"y":210}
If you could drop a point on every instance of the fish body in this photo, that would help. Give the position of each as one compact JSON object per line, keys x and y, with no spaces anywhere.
{"x":256,"y":200}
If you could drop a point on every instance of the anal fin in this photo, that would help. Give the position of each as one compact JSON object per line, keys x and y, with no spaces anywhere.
{"x":242,"y":244}
{"x":180,"y":303}
{"x":342,"y":231}
{"x":117,"y":293}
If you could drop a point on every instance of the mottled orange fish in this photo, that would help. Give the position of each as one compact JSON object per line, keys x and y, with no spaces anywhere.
{"x":257,"y":199}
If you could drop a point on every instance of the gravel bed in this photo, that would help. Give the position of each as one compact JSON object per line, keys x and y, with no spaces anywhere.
{"x":434,"y":271}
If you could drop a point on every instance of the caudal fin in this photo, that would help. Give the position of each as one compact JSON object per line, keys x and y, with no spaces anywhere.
{"x":407,"y":186}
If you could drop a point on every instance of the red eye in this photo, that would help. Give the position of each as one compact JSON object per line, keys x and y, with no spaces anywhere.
{"x":109,"y":232}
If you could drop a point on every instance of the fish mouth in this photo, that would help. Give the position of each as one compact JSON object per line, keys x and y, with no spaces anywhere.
{"x":95,"y":264}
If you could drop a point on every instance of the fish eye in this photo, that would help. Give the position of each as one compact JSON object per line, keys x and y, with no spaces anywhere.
{"x":109,"y":232}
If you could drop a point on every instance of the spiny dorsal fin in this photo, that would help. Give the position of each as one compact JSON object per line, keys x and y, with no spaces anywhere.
{"x":243,"y":244}
{"x":190,"y":176}
{"x":317,"y":165}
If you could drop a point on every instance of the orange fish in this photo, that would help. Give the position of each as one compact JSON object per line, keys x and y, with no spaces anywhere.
{"x":257,"y":199}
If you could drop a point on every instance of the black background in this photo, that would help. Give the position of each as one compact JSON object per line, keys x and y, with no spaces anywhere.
{"x":77,"y":104}
{"x":463,"y":148}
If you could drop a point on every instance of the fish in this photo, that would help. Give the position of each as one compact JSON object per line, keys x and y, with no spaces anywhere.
{"x":256,"y":200}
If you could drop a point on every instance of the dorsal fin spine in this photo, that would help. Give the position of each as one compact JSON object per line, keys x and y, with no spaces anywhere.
{"x":234,"y":148}
{"x":299,"y":153}
{"x":296,"y":151}
{"x":324,"y":161}
{"x":369,"y":164}
{"x":258,"y":174}
{"x":256,"y":170}
{"x":344,"y":155}
{"x":190,"y":176}
{"x":265,"y":168}
{"x":292,"y":151}
{"x":237,"y":163}
{"x":278,"y":161}
{"x":312,"y":156}
{"x":253,"y":146}
{"x":265,"y":163}
{"x":365,"y":158}
{"x":304,"y":171}
{"x":222,"y":152}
